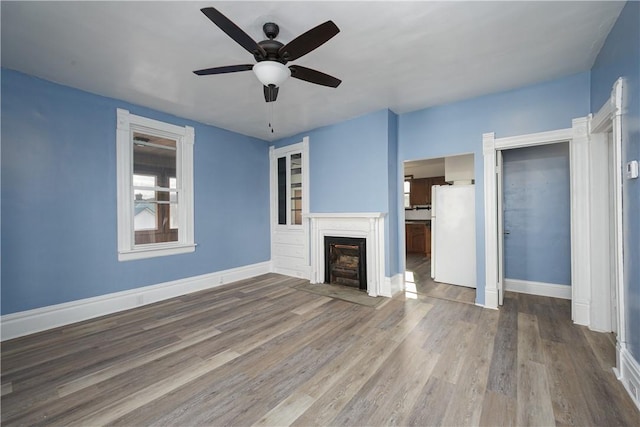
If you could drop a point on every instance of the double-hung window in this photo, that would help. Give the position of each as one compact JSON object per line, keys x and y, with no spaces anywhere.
{"x":155,"y":187}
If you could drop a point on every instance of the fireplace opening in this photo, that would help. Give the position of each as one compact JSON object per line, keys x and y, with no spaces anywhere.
{"x":345,"y":260}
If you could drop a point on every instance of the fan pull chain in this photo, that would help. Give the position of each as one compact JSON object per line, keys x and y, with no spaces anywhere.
{"x":271,"y":116}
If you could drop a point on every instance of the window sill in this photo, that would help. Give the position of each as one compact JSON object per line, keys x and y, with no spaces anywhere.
{"x":155,"y":251}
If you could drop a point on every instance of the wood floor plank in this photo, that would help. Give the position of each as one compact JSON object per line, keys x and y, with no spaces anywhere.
{"x":534,"y":406}
{"x":503,"y":376}
{"x":498,"y":410}
{"x":287,"y":411}
{"x":529,"y":341}
{"x":569,"y":405}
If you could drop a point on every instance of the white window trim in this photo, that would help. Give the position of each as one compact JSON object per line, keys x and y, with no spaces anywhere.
{"x":184,"y":136}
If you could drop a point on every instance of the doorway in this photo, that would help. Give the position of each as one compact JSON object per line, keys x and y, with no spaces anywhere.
{"x":536,"y":225}
{"x":421,"y":179}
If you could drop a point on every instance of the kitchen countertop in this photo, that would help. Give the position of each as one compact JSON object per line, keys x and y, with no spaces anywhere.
{"x":418,"y":221}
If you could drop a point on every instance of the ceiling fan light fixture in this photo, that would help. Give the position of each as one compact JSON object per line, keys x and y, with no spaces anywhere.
{"x":271,"y":72}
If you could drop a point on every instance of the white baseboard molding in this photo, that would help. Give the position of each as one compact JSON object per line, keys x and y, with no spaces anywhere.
{"x":538,"y":288}
{"x":302,"y":273}
{"x":30,"y":321}
{"x":581,"y":313}
{"x":491,"y":298}
{"x":629,"y":374}
{"x":394,"y":284}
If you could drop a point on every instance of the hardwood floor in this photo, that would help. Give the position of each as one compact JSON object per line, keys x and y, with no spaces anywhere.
{"x":260,"y":352}
{"x":419,"y":277}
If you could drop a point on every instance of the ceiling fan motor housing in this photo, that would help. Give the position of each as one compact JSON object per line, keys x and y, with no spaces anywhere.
{"x":271,"y":47}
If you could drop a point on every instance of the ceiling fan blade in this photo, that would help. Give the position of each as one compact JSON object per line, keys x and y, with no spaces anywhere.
{"x":308,"y":41}
{"x":270,"y":93}
{"x":223,"y":70}
{"x":233,"y":31}
{"x":313,"y":76}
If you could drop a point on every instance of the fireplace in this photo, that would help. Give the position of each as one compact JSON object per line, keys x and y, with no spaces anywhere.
{"x":366,"y":225}
{"x":346,"y":261}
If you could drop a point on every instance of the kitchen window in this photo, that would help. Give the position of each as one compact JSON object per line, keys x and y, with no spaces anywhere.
{"x":407,"y":191}
{"x":155,"y":187}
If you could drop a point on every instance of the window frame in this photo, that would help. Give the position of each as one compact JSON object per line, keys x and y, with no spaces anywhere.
{"x":184,"y":136}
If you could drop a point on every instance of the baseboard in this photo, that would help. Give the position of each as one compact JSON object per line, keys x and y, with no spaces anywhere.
{"x":581,"y":312}
{"x":629,"y":374}
{"x":394,"y":284}
{"x":30,"y":321}
{"x":538,"y":288}
{"x":491,"y":298}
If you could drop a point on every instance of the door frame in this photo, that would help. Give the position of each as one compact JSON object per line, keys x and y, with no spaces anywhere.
{"x":609,"y":120}
{"x":577,"y":136}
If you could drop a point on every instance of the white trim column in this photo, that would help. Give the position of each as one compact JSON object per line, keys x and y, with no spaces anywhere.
{"x":490,"y":221}
{"x":580,"y":220}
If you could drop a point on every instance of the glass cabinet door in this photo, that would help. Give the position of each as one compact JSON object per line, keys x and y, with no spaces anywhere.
{"x":289,"y":191}
{"x":296,"y":189}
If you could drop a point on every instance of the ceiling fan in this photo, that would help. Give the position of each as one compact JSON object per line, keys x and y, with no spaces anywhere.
{"x":271,"y":55}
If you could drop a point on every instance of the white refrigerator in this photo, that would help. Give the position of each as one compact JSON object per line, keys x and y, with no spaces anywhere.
{"x":453,"y":234}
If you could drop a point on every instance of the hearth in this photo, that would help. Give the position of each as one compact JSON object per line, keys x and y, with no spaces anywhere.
{"x":346,"y":261}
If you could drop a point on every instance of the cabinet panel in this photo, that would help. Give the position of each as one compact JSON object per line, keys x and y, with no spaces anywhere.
{"x":416,"y":238}
{"x":419,"y":191}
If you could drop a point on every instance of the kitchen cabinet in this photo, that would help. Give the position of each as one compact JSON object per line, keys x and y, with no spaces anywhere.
{"x":418,"y":238}
{"x":420,"y":190}
{"x":420,"y":193}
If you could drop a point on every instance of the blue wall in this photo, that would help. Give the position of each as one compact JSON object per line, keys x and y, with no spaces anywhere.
{"x":348,"y":164}
{"x":59,"y":240}
{"x":349,"y":169}
{"x":620,"y":57}
{"x":537,"y":214}
{"x":457,"y":128}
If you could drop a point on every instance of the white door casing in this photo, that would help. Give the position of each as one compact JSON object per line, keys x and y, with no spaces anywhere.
{"x":500,"y":211}
{"x":577,"y":136}
{"x":605,"y":131}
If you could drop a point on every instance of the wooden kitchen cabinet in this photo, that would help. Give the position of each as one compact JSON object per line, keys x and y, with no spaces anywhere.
{"x":420,"y":193}
{"x":418,"y":238}
{"x":438,"y":180}
{"x":420,"y":190}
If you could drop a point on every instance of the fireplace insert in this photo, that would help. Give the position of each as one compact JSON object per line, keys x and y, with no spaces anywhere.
{"x":346,"y":261}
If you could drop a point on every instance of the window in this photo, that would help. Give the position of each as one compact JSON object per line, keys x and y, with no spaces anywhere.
{"x":407,"y":191}
{"x":290,"y":194}
{"x":155,"y":187}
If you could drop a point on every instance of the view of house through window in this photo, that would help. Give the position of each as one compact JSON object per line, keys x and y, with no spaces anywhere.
{"x":155,"y":189}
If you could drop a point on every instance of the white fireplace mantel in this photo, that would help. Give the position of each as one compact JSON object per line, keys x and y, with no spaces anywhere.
{"x":367,"y":225}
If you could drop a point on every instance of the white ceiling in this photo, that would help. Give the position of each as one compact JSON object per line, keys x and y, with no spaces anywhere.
{"x":399,"y":55}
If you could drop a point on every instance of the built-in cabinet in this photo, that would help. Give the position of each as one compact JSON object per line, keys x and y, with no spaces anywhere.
{"x":420,"y":193}
{"x":418,"y":238}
